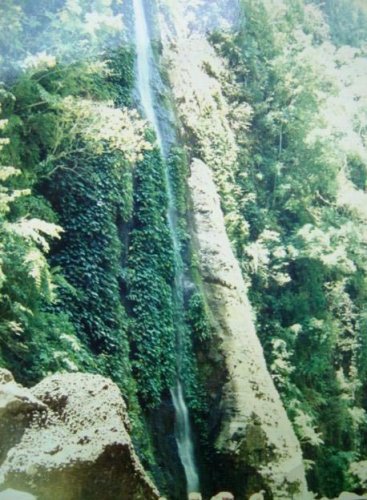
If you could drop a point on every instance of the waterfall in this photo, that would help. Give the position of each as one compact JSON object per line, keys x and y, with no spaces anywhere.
{"x":183,"y":438}
{"x":145,"y":61}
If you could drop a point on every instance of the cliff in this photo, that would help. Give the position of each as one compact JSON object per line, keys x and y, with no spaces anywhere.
{"x":254,"y":429}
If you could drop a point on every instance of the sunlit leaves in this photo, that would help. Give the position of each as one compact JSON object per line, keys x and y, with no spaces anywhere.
{"x":99,"y":123}
{"x":25,"y":277}
{"x":35,"y":230}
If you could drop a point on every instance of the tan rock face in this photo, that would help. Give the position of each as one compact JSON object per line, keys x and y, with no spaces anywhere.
{"x":76,"y":444}
{"x":196,"y":74}
{"x":223,"y":495}
{"x":195,"y":496}
{"x":254,"y":427}
{"x":345,"y":495}
{"x":17,"y":405}
{"x":10,"y":494}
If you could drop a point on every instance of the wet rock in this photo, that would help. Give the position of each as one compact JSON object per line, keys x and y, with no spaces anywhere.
{"x":76,"y":444}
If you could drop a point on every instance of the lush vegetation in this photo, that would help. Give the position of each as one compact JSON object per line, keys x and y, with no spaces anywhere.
{"x":88,"y":268}
{"x":70,"y":142}
{"x":87,"y":261}
{"x":150,"y":278}
{"x":300,"y":186}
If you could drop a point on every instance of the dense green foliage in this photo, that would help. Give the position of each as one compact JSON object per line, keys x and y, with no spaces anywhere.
{"x":304,"y":254}
{"x":149,"y":280}
{"x":39,"y":124}
{"x":73,"y":144}
{"x":347,"y":21}
{"x":33,"y":33}
{"x":89,"y":254}
{"x":90,"y":277}
{"x":26,"y":284}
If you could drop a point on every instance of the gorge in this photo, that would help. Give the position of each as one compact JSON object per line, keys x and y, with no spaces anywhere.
{"x":183,"y":192}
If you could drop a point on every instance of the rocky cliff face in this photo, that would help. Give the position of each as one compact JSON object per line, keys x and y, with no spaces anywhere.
{"x":254,"y":432}
{"x":196,"y":75}
{"x":68,"y":439}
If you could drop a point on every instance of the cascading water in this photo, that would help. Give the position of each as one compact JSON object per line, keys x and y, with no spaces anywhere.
{"x":144,"y":61}
{"x":144,"y":80}
{"x":183,"y":438}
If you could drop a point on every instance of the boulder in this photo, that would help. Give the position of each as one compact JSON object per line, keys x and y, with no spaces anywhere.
{"x":10,"y":494}
{"x":223,"y":495}
{"x":76,"y":445}
{"x":17,"y":407}
{"x":346,"y":495}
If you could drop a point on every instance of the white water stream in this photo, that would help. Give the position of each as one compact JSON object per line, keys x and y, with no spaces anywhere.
{"x":145,"y":61}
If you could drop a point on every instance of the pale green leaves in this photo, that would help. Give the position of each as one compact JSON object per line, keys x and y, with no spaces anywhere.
{"x":32,"y":234}
{"x":89,"y":126}
{"x":330,"y":245}
{"x":7,"y":196}
{"x":359,"y":470}
{"x":268,"y":258}
{"x":35,"y":231}
{"x":306,"y":429}
{"x":38,"y":62}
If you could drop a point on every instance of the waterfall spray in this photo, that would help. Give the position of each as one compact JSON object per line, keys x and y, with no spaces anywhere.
{"x":145,"y":61}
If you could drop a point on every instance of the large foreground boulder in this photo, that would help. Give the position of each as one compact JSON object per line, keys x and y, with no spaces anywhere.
{"x":71,"y":441}
{"x":10,"y":494}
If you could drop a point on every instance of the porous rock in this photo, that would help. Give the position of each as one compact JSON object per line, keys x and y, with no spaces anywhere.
{"x":17,"y":406}
{"x":76,"y":446}
{"x":10,"y":494}
{"x":223,"y":495}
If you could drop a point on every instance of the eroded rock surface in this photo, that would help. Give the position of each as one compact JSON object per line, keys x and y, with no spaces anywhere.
{"x":346,"y":495}
{"x":74,"y":443}
{"x":254,"y":428}
{"x":223,"y":495}
{"x":10,"y":494}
